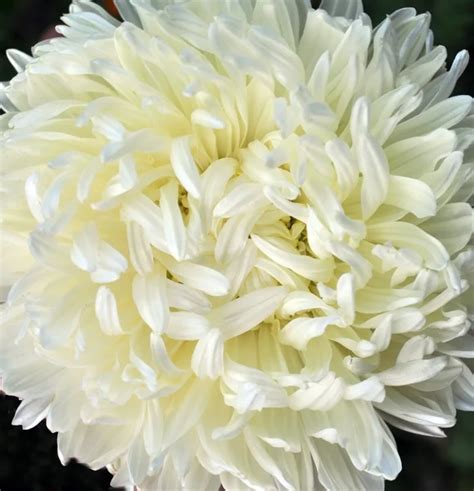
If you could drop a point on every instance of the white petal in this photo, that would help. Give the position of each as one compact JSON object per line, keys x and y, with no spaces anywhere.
{"x":318,"y":235}
{"x":360,"y":119}
{"x":184,"y":166}
{"x":417,"y":415}
{"x":306,"y":266}
{"x":336,"y":471}
{"x":241,"y":199}
{"x":138,"y":459}
{"x":374,"y":300}
{"x":416,"y":348}
{"x":370,"y":389}
{"x":65,"y":407}
{"x":175,"y":232}
{"x":30,"y":412}
{"x":286,"y":65}
{"x":18,"y":59}
{"x":361,"y":268}
{"x":411,"y":195}
{"x":184,"y":297}
{"x":361,"y":348}
{"x":198,"y":474}
{"x":296,"y":210}
{"x":141,"y":255}
{"x":445,"y":114}
{"x":202,"y":278}
{"x":417,"y":155}
{"x":264,"y":459}
{"x":374,"y":167}
{"x":345,"y":294}
{"x":128,"y":172}
{"x":84,"y":252}
{"x":299,"y":301}
{"x":278,"y":428}
{"x":347,"y":9}
{"x":442,"y":86}
{"x":298,"y":332}
{"x":187,"y":326}
{"x":160,"y":355}
{"x":462,"y":347}
{"x":233,"y":236}
{"x":452,"y":226}
{"x":322,"y":395}
{"x":127,"y":12}
{"x":145,"y":140}
{"x":443,"y":379}
{"x":149,"y":295}
{"x":107,"y":312}
{"x":153,"y":427}
{"x":282,"y":275}
{"x":401,"y":320}
{"x":110,"y":266}
{"x":403,"y":234}
{"x":33,"y":197}
{"x":411,"y":372}
{"x":463,"y":390}
{"x":347,"y":170}
{"x":233,"y":428}
{"x":62,"y":321}
{"x":247,"y":312}
{"x":254,"y":388}
{"x":98,"y":445}
{"x":238,"y":269}
{"x":189,"y":403}
{"x":147,"y":214}
{"x":214,"y":181}
{"x":208,"y":355}
{"x":207,"y":119}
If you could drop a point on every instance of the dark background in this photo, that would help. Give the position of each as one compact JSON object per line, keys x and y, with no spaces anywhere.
{"x":28,"y":459}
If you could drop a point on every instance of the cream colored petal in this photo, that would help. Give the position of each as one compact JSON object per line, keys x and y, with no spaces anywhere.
{"x":185,"y":167}
{"x":403,"y":234}
{"x":411,"y":195}
{"x":107,"y":312}
{"x":452,"y":226}
{"x":175,"y":231}
{"x":306,"y":266}
{"x":248,"y":311}
{"x":149,"y":294}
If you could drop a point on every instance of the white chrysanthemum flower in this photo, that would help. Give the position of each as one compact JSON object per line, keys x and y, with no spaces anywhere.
{"x":237,"y":235}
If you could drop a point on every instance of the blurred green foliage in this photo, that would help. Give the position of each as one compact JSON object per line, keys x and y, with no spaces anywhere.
{"x":28,"y":460}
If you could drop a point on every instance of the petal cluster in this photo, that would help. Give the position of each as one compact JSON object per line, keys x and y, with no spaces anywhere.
{"x":234,"y":241}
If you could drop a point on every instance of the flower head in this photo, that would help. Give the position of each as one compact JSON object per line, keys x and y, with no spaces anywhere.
{"x":234,"y":241}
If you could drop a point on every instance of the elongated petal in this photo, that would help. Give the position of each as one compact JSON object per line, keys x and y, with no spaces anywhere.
{"x":208,"y":356}
{"x":186,"y":325}
{"x":306,"y":266}
{"x":149,"y":293}
{"x":249,"y":311}
{"x":241,"y":199}
{"x":106,"y":311}
{"x":185,"y":167}
{"x":173,"y":224}
{"x":202,"y":278}
{"x":299,"y":332}
{"x":411,"y":195}
{"x":407,"y":235}
{"x":412,"y":371}
{"x":374,"y":167}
